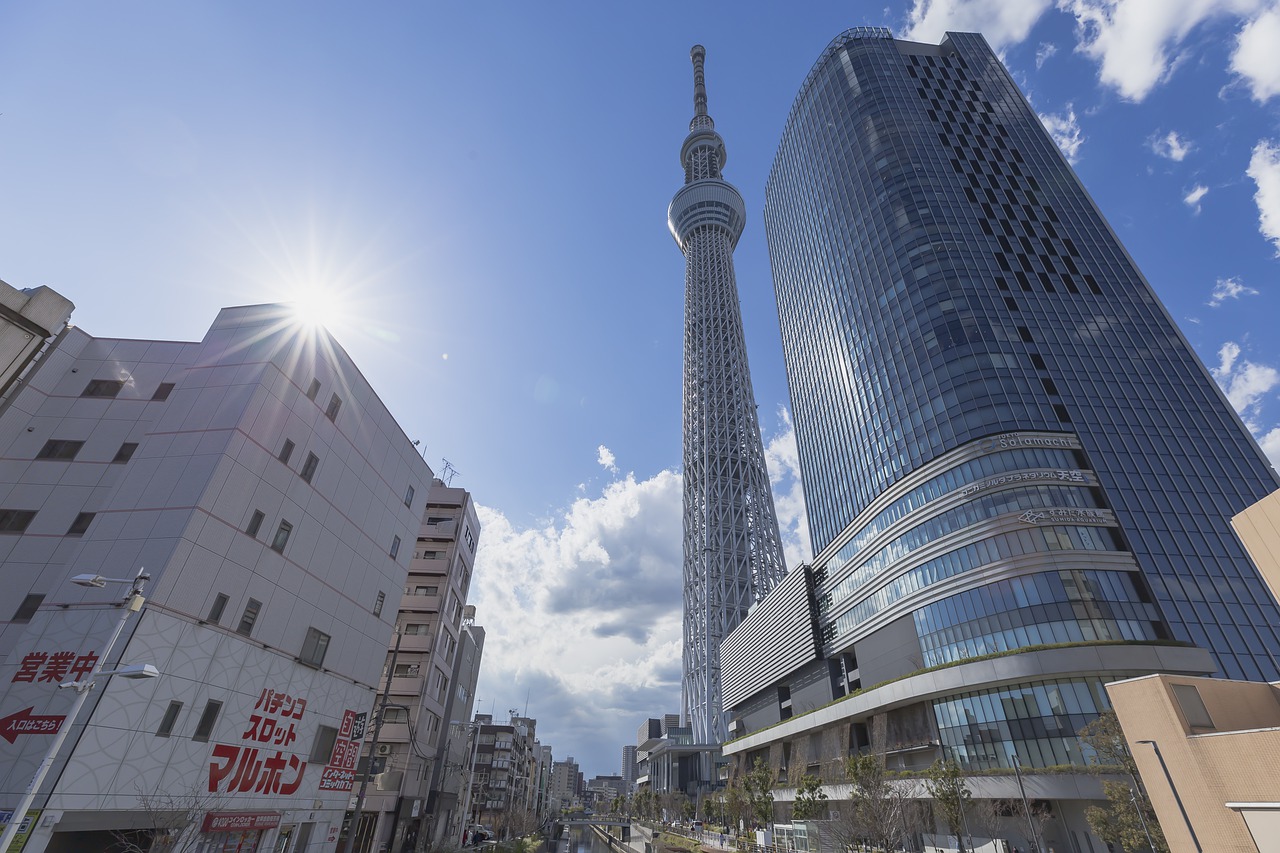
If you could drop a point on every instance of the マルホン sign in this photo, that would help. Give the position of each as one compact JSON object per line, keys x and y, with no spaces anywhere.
{"x":239,"y":821}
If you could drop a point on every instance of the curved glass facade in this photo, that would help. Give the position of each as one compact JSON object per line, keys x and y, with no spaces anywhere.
{"x":1036,"y":721}
{"x":942,"y":278}
{"x":1032,"y":610}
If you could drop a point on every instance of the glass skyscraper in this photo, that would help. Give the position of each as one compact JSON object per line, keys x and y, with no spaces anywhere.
{"x":1004,"y":438}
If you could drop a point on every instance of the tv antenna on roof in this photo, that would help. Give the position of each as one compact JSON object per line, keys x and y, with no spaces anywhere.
{"x":449,"y":472}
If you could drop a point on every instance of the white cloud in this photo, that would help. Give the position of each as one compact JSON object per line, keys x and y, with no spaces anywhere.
{"x":583,"y":614}
{"x":1229,"y":288}
{"x":1001,"y":22}
{"x":1256,"y":58}
{"x":1065,"y":131}
{"x":1136,"y":42}
{"x":1244,"y":382}
{"x":1044,"y":52}
{"x":1171,"y":146}
{"x":607,"y":461}
{"x":1264,"y":168}
{"x":1270,"y":444}
{"x":1192,"y":199}
{"x":783,"y":461}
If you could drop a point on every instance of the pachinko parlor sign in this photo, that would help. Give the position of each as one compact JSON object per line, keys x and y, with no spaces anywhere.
{"x":266,"y":761}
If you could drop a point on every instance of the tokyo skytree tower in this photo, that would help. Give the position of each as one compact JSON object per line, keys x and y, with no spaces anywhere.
{"x":732,"y":552}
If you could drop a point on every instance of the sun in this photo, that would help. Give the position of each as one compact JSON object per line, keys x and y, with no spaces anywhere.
{"x":317,"y":308}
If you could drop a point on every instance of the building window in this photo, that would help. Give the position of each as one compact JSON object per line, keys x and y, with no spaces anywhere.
{"x":395,"y":547}
{"x":218,"y":606}
{"x":312,"y":391}
{"x":169,"y":719}
{"x":406,"y":670}
{"x":335,"y":403}
{"x":471,"y":540}
{"x":415,"y":628}
{"x":15,"y":520}
{"x":309,"y":467}
{"x":59,"y":448}
{"x":1193,"y":707}
{"x":208,"y":720}
{"x":282,"y":537}
{"x":28,"y":607}
{"x":102,"y":388}
{"x":322,"y":746}
{"x":163,"y":392}
{"x":125,"y":453}
{"x":249,"y":618}
{"x":314,"y":648}
{"x":286,"y":450}
{"x":80,"y":524}
{"x":408,"y":497}
{"x":255,"y":523}
{"x":377,"y":604}
{"x":422,"y":590}
{"x":396,"y":715}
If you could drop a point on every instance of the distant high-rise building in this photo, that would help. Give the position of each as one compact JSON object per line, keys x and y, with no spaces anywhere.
{"x":1006,"y":444}
{"x":629,"y":766}
{"x":732,"y":551}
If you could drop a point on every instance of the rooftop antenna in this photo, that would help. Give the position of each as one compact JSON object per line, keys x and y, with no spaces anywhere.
{"x":526,"y":701}
{"x":449,"y":472}
{"x":422,"y":448}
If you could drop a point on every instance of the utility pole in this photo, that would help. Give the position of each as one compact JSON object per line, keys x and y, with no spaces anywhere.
{"x":344,"y":845}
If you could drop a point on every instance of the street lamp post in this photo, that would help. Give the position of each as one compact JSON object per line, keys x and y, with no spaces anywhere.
{"x":1026,"y":806}
{"x":346,"y":844}
{"x":1177,"y":799}
{"x":133,"y":603}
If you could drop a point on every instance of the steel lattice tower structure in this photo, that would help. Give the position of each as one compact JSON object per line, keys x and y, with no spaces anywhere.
{"x":732,"y":550}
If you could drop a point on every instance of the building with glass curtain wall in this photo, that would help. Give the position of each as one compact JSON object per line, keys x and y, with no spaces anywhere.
{"x":1006,"y":443}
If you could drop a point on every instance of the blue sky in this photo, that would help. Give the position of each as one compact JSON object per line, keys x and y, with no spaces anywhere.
{"x":483,"y":188}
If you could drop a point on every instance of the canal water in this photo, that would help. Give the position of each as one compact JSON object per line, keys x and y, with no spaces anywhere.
{"x":582,"y":840}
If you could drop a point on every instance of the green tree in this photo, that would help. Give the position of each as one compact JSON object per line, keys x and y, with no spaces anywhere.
{"x":944,"y":781}
{"x":757,"y":790}
{"x":878,"y":809}
{"x":810,"y":799}
{"x":1121,"y":821}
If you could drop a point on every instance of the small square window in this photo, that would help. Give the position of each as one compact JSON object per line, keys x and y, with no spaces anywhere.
{"x":395,"y":546}
{"x":15,"y":520}
{"x":314,"y":648}
{"x":312,"y":392}
{"x":377,"y":604}
{"x":309,"y":467}
{"x":322,"y":746}
{"x":207,"y":720}
{"x":282,"y":537}
{"x":249,"y":618}
{"x":216,"y":609}
{"x":125,"y":453}
{"x":28,"y":607}
{"x":286,"y":450}
{"x":58,"y":448}
{"x":335,"y":403}
{"x":102,"y":388}
{"x":408,"y":497}
{"x":163,"y":392}
{"x":169,"y":719}
{"x":255,"y":523}
{"x":80,"y":524}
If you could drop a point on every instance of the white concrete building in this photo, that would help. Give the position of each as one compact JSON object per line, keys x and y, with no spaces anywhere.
{"x":274,"y":502}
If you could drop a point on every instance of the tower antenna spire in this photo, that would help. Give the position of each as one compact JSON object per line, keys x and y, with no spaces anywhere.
{"x":699,"y":54}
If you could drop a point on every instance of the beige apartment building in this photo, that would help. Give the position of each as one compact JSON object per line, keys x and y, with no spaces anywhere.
{"x":1208,"y":749}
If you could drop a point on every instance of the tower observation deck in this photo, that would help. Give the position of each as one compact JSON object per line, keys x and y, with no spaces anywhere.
{"x":732,"y":550}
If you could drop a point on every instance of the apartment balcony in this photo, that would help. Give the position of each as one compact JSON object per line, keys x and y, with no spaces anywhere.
{"x":406,"y":685}
{"x":420,"y":603}
{"x":415,"y":642}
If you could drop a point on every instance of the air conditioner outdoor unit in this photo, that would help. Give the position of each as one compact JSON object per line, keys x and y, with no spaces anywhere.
{"x":384,"y":749}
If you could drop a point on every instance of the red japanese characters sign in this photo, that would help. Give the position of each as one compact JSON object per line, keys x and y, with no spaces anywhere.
{"x":251,"y":767}
{"x":54,"y":666}
{"x":26,"y":723}
{"x":239,"y":821}
{"x":340,"y":774}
